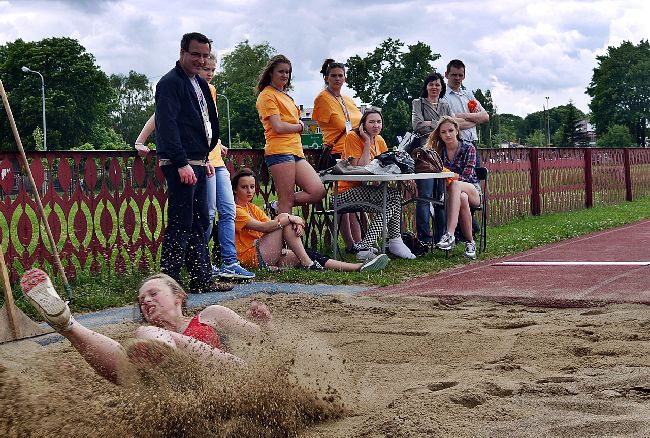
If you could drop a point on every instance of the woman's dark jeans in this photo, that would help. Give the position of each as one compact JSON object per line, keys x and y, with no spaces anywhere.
{"x":429,"y":188}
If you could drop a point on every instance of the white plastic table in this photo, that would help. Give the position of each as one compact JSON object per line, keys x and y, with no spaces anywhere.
{"x":383,"y":180}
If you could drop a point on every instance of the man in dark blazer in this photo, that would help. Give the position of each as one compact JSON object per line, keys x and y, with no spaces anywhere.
{"x":187,"y":129}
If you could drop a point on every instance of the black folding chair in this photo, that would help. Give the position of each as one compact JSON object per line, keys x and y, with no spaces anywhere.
{"x":482,"y":175}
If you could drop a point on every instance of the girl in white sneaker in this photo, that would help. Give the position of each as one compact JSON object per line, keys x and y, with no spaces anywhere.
{"x":362,"y":144}
{"x":161,"y":301}
{"x":460,"y":157}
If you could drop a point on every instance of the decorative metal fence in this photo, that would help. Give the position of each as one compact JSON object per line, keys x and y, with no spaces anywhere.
{"x":107,"y":209}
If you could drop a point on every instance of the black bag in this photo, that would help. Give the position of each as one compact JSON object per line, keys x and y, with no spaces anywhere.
{"x":417,"y":248}
{"x":415,"y":142}
{"x":325,"y":160}
{"x":400,"y":158}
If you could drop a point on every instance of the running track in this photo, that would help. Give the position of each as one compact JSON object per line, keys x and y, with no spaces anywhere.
{"x":610,"y":266}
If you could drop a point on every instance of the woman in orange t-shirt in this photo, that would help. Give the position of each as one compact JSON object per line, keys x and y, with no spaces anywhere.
{"x":261,"y":241}
{"x":283,"y":153}
{"x":361,"y":146}
{"x":337,"y":115}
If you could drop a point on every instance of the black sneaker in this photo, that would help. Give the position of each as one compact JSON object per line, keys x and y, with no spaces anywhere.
{"x":315,"y":266}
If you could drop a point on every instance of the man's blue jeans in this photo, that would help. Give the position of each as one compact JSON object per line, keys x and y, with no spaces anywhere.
{"x":429,"y":188}
{"x":187,"y":220}
{"x":222,"y":200}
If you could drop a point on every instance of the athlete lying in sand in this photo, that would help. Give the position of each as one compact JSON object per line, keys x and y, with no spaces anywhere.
{"x":161,"y":300}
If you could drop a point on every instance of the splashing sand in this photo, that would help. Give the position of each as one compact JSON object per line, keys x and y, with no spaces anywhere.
{"x":361,"y":367}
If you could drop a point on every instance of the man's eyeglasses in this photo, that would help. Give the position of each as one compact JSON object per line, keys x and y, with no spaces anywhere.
{"x":374,"y":109}
{"x":199,"y":55}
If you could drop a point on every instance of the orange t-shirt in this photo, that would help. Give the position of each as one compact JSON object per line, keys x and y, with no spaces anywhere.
{"x":271,"y":102}
{"x":214,"y":157}
{"x":245,"y":237}
{"x":354,"y":148}
{"x":328,"y":113}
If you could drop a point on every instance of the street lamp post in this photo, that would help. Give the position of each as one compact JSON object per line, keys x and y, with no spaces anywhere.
{"x":548,"y":124}
{"x":228,"y":114}
{"x":27,"y":70}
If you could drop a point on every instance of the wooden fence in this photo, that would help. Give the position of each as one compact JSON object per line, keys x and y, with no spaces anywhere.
{"x":107,"y":209}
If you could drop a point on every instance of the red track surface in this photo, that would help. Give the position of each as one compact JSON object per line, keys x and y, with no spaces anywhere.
{"x":550,"y":286}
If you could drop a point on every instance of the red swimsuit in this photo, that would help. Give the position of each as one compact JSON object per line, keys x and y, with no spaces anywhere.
{"x":202,"y":332}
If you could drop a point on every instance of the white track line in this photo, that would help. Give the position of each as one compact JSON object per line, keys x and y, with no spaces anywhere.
{"x":561,"y":263}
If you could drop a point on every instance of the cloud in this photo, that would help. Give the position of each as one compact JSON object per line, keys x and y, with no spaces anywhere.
{"x":521,"y":50}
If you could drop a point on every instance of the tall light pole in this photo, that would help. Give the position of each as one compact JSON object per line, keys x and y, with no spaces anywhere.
{"x":548,"y":124}
{"x":228,"y":114}
{"x":27,"y":70}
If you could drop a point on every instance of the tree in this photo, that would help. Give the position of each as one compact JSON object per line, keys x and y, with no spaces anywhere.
{"x":569,"y":130}
{"x":507,"y":128}
{"x":485,"y":129}
{"x":620,"y":89}
{"x":237,"y":78}
{"x":390,"y":78}
{"x":536,"y":139}
{"x":78,"y":93}
{"x":617,"y":136}
{"x":135,"y":104}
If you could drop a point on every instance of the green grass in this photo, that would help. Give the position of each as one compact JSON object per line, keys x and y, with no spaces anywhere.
{"x":104,"y":291}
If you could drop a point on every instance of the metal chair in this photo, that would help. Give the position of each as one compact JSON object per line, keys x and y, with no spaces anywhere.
{"x":482,"y":174}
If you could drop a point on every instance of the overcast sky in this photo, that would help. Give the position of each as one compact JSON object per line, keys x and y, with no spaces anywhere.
{"x":521,"y":50}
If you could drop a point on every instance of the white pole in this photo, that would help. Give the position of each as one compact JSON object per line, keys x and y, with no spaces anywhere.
{"x":228,"y":113}
{"x":27,"y":70}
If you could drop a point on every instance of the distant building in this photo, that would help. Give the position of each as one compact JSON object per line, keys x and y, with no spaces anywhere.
{"x":586,"y":134}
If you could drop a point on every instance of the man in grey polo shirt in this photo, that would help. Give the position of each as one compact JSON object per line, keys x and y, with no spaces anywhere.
{"x":459,"y":98}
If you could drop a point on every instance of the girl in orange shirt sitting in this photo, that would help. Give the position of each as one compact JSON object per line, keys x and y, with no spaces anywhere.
{"x":361,"y":146}
{"x":260,"y":241}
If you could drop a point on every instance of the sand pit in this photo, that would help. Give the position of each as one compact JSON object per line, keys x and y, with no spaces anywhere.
{"x":364,"y":367}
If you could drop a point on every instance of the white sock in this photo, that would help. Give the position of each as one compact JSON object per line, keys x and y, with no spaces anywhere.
{"x":397,"y":247}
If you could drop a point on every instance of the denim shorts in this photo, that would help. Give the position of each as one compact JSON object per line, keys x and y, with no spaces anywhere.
{"x":280,"y":158}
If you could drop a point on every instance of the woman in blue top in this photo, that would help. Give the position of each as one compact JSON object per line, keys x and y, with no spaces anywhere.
{"x":460,"y":157}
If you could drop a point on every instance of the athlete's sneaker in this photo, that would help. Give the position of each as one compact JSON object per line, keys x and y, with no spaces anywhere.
{"x":235,"y":272}
{"x":375,"y":264}
{"x":39,"y":291}
{"x":470,"y":249}
{"x":447,"y":242}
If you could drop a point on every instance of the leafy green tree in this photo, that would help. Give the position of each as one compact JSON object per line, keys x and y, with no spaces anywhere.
{"x":485,"y":129}
{"x":617,"y":136}
{"x":390,"y":78}
{"x":620,"y":89}
{"x":569,"y":130}
{"x":537,"y":138}
{"x":507,"y":128}
{"x":78,"y":93}
{"x":236,"y":79}
{"x":135,"y":104}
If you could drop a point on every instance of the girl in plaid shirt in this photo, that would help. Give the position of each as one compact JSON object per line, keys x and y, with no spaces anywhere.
{"x":463,"y":192}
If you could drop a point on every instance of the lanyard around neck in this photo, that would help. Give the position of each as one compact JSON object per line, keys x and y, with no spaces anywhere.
{"x":341,"y":102}
{"x":281,"y":91}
